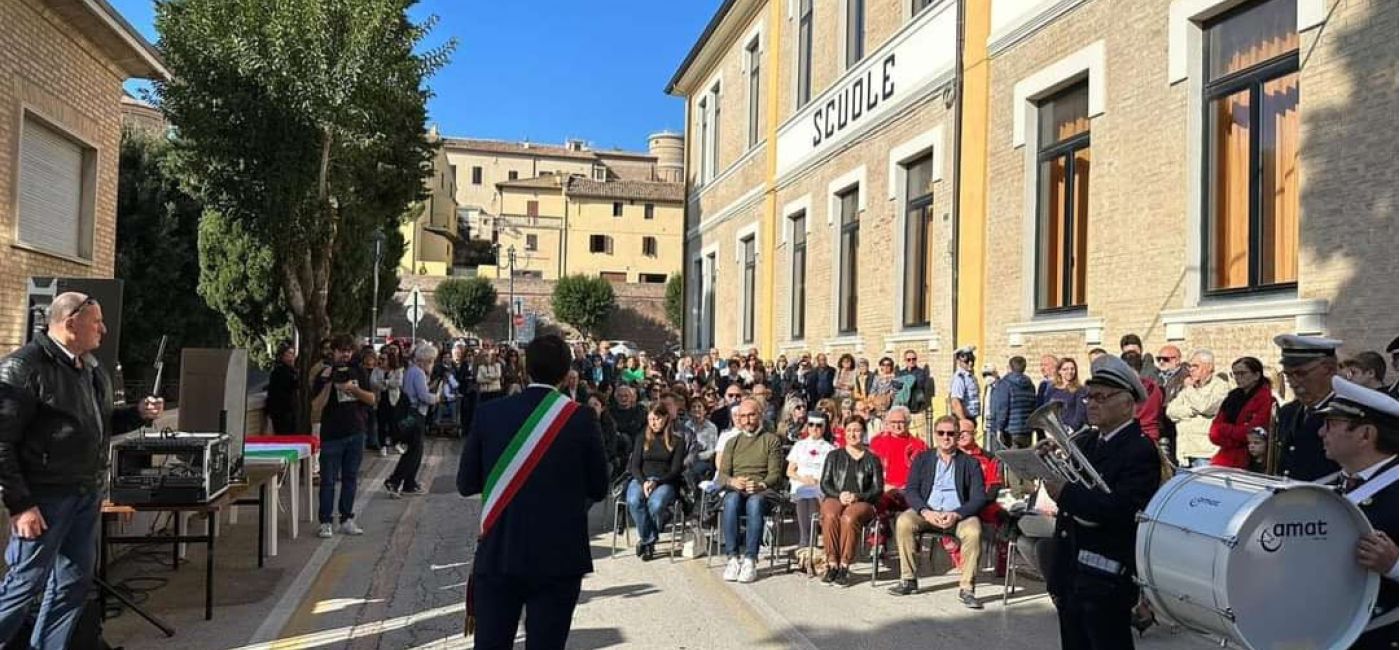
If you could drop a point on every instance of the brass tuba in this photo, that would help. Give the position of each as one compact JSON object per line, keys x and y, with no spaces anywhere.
{"x":1059,"y":453}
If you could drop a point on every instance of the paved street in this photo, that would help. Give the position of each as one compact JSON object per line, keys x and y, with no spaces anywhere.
{"x":400,"y":586}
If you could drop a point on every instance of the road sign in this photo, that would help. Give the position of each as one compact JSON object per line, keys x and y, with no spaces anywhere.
{"x":525,"y":328}
{"x":414,"y":306}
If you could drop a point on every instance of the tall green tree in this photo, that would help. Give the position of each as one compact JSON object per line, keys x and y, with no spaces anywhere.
{"x":465,"y":301}
{"x":302,"y":124}
{"x":675,"y":300}
{"x":157,"y":258}
{"x":583,"y":302}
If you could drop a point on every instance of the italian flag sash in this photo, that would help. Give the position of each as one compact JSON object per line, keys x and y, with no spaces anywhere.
{"x":521,"y":456}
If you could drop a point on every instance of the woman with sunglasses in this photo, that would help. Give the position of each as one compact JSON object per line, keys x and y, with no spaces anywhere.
{"x":845,"y":377}
{"x":883,"y":387}
{"x":656,"y":466}
{"x":794,"y":418}
{"x":804,"y":472}
{"x":852,"y":481}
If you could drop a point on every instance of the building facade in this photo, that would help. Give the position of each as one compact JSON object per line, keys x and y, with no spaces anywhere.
{"x":628,"y":231}
{"x":63,"y":66}
{"x":480,"y":165}
{"x":1204,"y":172}
{"x":431,"y":238}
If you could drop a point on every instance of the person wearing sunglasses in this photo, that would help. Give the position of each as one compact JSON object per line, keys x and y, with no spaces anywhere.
{"x":804,"y":473}
{"x":1309,"y":364}
{"x":946,"y":491}
{"x":58,"y":415}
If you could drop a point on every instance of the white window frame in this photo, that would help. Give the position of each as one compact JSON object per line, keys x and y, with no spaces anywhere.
{"x":709,"y":260}
{"x":1185,"y":53}
{"x":753,"y":47}
{"x":794,"y":6}
{"x":802,"y":204}
{"x":854,"y":178}
{"x":1089,"y":63}
{"x":87,"y":208}
{"x":750,"y":231}
{"x":842,"y":24}
{"x":929,"y":142}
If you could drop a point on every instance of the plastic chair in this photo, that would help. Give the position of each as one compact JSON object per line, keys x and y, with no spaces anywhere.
{"x":623,"y":516}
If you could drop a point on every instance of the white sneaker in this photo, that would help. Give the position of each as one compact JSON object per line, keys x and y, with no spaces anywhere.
{"x":748,"y":570}
{"x":383,"y":452}
{"x":731,"y":570}
{"x":401,"y":448}
{"x":326,"y":531}
{"x":349,"y":527}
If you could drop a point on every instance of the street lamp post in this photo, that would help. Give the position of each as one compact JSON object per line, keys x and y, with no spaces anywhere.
{"x":377,"y":236}
{"x":510,"y":321}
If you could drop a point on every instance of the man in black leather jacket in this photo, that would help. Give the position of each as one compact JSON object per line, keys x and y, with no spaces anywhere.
{"x":56,"y":415}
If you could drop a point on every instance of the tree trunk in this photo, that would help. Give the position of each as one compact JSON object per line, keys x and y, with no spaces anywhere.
{"x":306,"y":283}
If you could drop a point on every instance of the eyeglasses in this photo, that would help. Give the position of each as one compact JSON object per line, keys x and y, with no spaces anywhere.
{"x":945,"y":434}
{"x":899,"y":422}
{"x":1101,"y":397}
{"x":814,"y":424}
{"x":81,"y":306}
{"x":732,"y":396}
{"x":911,"y":359}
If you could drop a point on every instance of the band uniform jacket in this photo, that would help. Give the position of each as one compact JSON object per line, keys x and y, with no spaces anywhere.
{"x":1381,"y":510}
{"x":544,"y":530}
{"x":1105,"y":525}
{"x":1301,"y":457}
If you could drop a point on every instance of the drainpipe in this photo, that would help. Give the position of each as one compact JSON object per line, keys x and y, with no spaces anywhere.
{"x":957,"y":168}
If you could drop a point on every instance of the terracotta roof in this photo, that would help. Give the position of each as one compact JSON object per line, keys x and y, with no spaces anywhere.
{"x":545,"y":182}
{"x":640,"y":190}
{"x":531,"y":149}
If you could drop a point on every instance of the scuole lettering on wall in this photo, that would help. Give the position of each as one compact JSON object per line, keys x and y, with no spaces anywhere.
{"x":857,"y":98}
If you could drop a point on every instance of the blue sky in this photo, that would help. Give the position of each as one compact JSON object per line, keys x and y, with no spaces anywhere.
{"x":548,"y":70}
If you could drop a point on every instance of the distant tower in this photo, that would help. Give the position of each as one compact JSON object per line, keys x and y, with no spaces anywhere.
{"x":669,"y":149}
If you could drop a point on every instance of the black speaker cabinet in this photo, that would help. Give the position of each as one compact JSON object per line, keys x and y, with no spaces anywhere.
{"x":214,"y":396}
{"x":107,"y":291}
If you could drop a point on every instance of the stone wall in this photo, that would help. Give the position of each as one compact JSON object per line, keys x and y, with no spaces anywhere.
{"x":640,"y":315}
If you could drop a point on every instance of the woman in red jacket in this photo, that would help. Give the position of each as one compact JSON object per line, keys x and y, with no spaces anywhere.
{"x":1249,"y":405}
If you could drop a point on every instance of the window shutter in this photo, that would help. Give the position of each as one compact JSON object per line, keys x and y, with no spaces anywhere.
{"x":608,"y":244}
{"x":50,"y":190}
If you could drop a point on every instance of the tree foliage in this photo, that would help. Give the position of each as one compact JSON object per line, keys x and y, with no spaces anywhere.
{"x":465,"y":301}
{"x":300,"y":123}
{"x":158,"y":259}
{"x":675,"y":300}
{"x":583,"y":302}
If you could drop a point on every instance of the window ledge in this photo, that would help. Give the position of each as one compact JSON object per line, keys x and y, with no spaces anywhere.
{"x":1091,"y":327}
{"x":913,"y":336}
{"x":855,"y":342}
{"x":789,"y":346}
{"x":1308,"y":315}
{"x":54,"y":254}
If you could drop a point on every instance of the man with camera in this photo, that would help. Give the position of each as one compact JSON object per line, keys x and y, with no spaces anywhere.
{"x":345,"y":402}
{"x":56,"y":415}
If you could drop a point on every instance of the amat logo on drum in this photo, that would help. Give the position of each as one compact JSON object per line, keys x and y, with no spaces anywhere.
{"x":1204,"y":501}
{"x":1271,"y":538}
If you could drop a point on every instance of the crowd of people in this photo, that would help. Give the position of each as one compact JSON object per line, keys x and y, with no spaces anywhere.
{"x":853,"y":452}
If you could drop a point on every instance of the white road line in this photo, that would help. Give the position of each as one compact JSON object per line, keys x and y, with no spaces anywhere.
{"x":287,"y":605}
{"x":351,"y":632}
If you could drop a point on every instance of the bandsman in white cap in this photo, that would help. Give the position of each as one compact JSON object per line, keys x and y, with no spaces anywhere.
{"x":1309,"y":364}
{"x":1360,"y":435}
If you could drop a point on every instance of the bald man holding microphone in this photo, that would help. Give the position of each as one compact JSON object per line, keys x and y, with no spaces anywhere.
{"x":56,"y":416}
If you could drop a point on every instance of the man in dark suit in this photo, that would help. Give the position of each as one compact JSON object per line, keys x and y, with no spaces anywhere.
{"x":533,"y":551}
{"x":1309,"y":364}
{"x":1360,"y":434}
{"x":1091,"y":580}
{"x":945,"y":492}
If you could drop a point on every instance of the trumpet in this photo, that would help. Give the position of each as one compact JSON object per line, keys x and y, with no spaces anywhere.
{"x":1060,"y":455}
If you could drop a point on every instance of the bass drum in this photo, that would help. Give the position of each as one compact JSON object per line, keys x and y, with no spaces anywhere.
{"x":1260,"y":562}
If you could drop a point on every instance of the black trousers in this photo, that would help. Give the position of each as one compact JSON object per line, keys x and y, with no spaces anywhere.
{"x":548,"y":603}
{"x":284,"y":423}
{"x":1095,"y":623}
{"x":405,"y":476}
{"x":1381,"y":639}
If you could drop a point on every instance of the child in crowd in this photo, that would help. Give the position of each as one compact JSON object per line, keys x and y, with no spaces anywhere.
{"x":1258,"y":444}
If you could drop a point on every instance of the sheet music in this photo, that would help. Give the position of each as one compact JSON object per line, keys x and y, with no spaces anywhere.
{"x":1025,"y":464}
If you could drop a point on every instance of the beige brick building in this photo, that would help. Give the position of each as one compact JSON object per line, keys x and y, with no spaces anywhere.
{"x":1204,"y":172}
{"x":820,"y":178}
{"x":62,"y":65}
{"x":628,"y":231}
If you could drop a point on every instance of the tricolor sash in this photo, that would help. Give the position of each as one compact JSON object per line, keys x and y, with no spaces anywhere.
{"x":521,"y":456}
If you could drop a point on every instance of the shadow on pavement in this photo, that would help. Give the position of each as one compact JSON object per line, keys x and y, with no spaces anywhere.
{"x":625,"y":591}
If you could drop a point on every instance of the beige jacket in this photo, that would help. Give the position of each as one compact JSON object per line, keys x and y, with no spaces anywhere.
{"x":1193,"y":410}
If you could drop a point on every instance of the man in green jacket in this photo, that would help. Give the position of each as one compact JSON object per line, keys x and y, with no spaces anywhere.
{"x":751,"y":467}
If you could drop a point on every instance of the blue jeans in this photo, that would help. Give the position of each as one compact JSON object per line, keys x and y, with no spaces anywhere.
{"x":340,"y":463}
{"x":58,"y":565}
{"x":650,"y":513}
{"x":755,"y":506}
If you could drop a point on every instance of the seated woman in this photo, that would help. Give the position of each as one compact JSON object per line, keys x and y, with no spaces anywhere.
{"x":804,"y":472}
{"x":852,"y":481}
{"x":702,"y":443}
{"x":657,"y":461}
